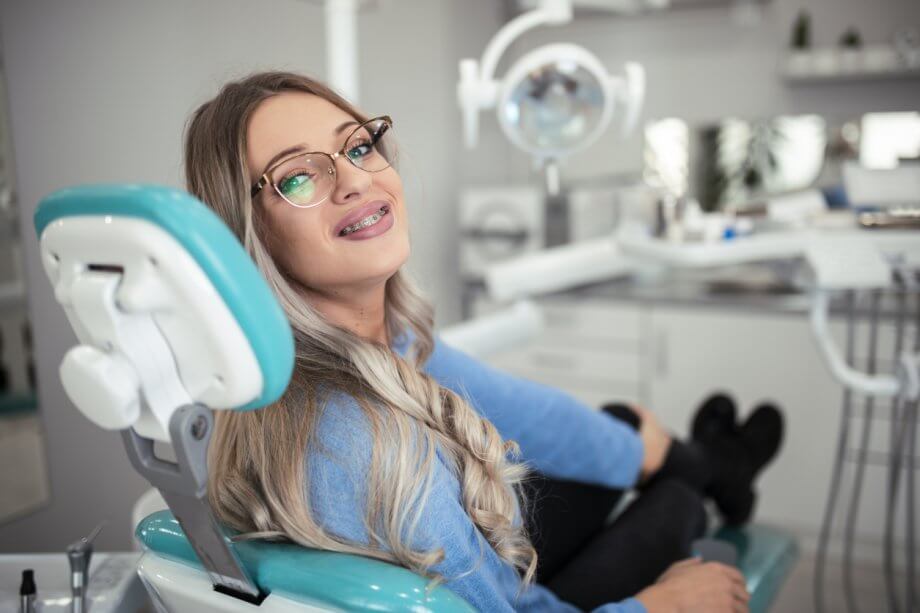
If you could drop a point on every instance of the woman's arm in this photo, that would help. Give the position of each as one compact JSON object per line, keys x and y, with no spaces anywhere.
{"x":558,"y":435}
{"x":472,"y":569}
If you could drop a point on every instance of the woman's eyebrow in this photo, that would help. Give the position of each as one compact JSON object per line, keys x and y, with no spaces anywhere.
{"x":303,"y":146}
{"x":284,"y":153}
{"x":350,"y":122}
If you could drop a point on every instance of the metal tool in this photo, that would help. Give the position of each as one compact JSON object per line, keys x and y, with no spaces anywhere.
{"x":899,"y":460}
{"x":79,"y":554}
{"x":27,"y":592}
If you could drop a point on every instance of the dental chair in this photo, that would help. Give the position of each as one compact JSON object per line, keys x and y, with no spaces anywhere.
{"x":173,"y":321}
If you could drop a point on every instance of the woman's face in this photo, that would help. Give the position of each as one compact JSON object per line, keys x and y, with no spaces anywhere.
{"x":307,"y":243}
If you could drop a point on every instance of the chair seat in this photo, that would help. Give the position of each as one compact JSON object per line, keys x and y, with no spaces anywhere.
{"x":341,"y":581}
{"x":765,"y":556}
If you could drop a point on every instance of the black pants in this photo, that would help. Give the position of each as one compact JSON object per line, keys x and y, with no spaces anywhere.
{"x":588,"y":563}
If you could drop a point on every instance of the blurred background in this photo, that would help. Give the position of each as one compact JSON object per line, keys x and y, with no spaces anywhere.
{"x":744,"y":100}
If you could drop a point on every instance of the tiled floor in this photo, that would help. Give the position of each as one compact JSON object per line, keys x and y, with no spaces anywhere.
{"x":868,"y":586}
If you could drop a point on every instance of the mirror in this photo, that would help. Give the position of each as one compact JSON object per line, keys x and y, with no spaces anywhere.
{"x":742,"y":161}
{"x":889,"y":138}
{"x":24,"y":485}
{"x":748,"y":160}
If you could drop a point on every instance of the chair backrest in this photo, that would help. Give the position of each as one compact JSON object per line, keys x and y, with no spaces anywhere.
{"x":171,"y":313}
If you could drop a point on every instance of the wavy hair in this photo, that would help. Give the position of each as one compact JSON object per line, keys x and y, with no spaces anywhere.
{"x":259,"y":479}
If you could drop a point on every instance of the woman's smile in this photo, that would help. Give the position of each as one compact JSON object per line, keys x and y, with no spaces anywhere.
{"x":375,"y":224}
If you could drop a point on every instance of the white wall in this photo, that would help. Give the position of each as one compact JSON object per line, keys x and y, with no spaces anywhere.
{"x":100,"y":91}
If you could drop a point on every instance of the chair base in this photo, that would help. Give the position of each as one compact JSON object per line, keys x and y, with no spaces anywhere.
{"x":177,"y":587}
{"x":766,"y":556}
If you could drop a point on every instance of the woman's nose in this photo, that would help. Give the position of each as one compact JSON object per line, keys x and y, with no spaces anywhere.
{"x":351,"y":181}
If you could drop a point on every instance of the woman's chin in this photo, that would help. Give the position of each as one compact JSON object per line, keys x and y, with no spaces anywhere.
{"x":384,"y":268}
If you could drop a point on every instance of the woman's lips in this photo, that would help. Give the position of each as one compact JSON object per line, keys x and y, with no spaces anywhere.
{"x":358,"y":214}
{"x":383,"y":224}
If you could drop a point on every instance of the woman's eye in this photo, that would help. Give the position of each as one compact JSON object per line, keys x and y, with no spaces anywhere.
{"x":297,"y":184}
{"x":360,"y":150}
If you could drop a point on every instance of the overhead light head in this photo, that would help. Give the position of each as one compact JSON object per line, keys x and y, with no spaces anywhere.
{"x":556,"y":100}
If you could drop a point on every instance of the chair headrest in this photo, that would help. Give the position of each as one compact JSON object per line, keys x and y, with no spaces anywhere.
{"x":91,"y":219}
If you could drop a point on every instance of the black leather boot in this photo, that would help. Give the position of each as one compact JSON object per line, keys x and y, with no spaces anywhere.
{"x":736,"y":455}
{"x":716,"y":417}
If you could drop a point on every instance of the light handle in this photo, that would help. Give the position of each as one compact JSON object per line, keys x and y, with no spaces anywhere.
{"x":477,"y":88}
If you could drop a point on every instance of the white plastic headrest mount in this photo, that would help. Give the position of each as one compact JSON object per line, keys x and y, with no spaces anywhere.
{"x":154,"y":333}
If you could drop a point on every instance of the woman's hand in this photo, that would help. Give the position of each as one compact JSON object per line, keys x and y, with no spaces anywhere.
{"x":654,"y":439}
{"x":694,"y":586}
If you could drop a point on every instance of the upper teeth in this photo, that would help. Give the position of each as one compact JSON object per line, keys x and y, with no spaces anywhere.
{"x":367,"y":221}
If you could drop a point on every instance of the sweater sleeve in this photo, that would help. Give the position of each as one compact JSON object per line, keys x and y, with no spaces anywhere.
{"x":475,"y":572}
{"x":559,"y":436}
{"x":471,"y":568}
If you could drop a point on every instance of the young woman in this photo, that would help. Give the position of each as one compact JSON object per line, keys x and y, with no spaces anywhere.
{"x":389,"y":443}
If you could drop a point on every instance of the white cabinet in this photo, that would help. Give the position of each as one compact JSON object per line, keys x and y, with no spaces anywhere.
{"x":754,"y":357}
{"x":670,"y":357}
{"x":592,"y":349}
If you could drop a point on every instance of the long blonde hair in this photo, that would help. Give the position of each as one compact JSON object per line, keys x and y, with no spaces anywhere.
{"x":258,"y":477}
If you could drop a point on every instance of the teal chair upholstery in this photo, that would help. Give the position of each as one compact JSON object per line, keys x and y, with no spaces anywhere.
{"x":341,"y":581}
{"x":765,"y":557}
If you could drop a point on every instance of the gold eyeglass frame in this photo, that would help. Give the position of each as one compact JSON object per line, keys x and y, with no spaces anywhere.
{"x":266,"y":178}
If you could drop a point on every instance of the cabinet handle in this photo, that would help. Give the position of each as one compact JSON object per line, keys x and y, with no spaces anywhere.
{"x":661,"y":352}
{"x":553,"y":361}
{"x":559,"y":318}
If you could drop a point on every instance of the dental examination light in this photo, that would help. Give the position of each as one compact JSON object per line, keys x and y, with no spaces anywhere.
{"x":554,"y":101}
{"x":342,"y":46}
{"x":341,"y":20}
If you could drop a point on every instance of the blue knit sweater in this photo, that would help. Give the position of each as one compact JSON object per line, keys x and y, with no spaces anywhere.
{"x":558,"y":436}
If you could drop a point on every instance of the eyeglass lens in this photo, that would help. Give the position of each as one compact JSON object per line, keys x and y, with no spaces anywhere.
{"x":308,"y":179}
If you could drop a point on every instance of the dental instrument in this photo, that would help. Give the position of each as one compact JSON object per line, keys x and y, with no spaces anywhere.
{"x":79,"y":554}
{"x":861,"y":457}
{"x":898,"y":460}
{"x":27,"y":592}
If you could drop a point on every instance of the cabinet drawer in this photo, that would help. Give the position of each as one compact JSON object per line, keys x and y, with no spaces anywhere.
{"x":592,"y":320}
{"x":592,"y":392}
{"x":595,"y":400}
{"x":561,"y":363}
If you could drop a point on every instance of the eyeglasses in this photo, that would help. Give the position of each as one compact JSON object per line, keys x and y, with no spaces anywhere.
{"x":306,"y":180}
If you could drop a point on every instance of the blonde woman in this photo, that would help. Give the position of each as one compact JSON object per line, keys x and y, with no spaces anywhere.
{"x":388,"y":443}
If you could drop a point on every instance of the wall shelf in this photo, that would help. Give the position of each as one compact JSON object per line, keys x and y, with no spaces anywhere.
{"x":634,"y":7}
{"x":834,"y":64}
